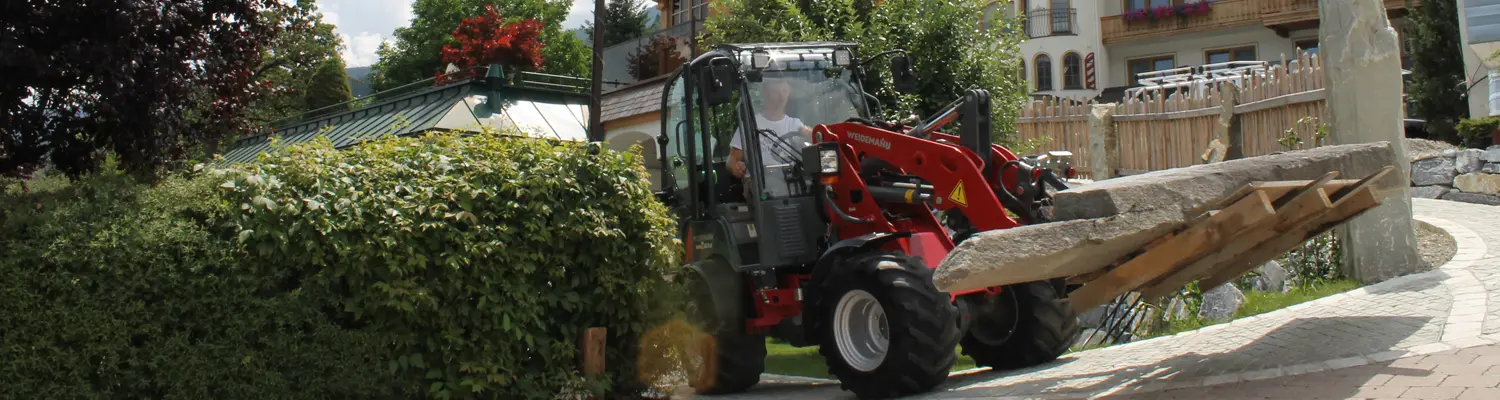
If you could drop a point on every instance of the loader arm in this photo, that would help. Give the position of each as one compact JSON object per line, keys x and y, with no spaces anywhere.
{"x":953,"y":173}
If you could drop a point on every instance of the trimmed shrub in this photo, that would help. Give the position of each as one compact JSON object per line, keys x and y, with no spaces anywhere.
{"x":111,"y":289}
{"x":440,"y":266}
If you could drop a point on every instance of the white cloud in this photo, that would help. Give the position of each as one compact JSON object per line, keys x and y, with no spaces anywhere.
{"x":364,"y":24}
{"x":359,"y":50}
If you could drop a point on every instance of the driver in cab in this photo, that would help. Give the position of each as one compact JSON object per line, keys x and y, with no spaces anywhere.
{"x":772,"y":117}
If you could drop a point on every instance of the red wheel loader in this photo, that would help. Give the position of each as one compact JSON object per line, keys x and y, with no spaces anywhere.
{"x":824,"y":229}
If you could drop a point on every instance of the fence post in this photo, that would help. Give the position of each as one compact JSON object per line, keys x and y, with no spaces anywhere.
{"x":1104,"y":150}
{"x":1229,"y":129}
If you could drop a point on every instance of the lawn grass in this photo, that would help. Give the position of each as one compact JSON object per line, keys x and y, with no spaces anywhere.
{"x":783,"y":359}
{"x":1257,"y":303}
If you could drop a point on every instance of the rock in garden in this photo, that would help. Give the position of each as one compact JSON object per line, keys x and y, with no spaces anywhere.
{"x":1433,"y":171}
{"x":1491,"y":155}
{"x":1177,"y":309}
{"x":1220,"y":303}
{"x":1491,"y":168}
{"x":1478,"y":183}
{"x":1093,"y":318}
{"x":1429,"y":192}
{"x":1421,"y":149}
{"x":1468,"y":161}
{"x":1475,"y":198}
{"x":1272,"y":277}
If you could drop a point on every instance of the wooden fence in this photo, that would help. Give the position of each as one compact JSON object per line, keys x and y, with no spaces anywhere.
{"x":1155,"y":132}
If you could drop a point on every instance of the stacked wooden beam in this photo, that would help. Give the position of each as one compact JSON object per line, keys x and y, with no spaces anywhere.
{"x":1255,"y":224}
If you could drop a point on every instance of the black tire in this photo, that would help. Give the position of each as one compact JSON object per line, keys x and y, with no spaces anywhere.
{"x":732,"y":360}
{"x":1026,"y":325}
{"x":735,"y":363}
{"x":921,"y":324}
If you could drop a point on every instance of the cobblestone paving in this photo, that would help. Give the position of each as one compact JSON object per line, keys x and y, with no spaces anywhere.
{"x":1367,"y":333}
{"x":1465,"y":374}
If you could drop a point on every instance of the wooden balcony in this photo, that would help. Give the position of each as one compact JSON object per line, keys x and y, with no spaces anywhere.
{"x":1279,"y":15}
{"x":1225,"y":14}
{"x":1303,"y":14}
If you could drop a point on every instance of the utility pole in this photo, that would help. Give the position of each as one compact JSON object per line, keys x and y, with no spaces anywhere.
{"x":596,"y":127}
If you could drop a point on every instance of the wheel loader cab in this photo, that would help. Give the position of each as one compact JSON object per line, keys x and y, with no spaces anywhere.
{"x":755,"y":105}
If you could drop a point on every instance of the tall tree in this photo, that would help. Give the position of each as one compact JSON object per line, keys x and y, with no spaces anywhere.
{"x":623,"y":20}
{"x":948,"y":53}
{"x":329,"y":86}
{"x":150,"y":81}
{"x":1437,"y":87}
{"x":417,"y":52}
{"x":489,"y":39}
{"x":290,"y":63}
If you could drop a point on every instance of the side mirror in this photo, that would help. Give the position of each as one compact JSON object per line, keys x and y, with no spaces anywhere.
{"x":717,"y":83}
{"x":906,"y":81}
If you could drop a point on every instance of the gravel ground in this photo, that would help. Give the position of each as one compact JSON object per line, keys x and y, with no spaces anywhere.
{"x":1435,"y":245}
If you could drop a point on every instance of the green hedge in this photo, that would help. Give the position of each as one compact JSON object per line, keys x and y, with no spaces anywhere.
{"x":441,"y":266}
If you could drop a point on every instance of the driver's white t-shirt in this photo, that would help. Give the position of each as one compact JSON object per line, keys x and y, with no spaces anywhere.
{"x":769,"y":146}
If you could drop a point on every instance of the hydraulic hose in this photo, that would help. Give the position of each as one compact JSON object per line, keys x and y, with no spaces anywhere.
{"x":823,"y":194}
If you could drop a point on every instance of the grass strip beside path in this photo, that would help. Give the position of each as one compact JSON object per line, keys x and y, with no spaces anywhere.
{"x":783,"y":359}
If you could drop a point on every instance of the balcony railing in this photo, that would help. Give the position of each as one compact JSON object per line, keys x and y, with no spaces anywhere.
{"x":1283,"y":12}
{"x":1279,"y":14}
{"x":1224,"y":14}
{"x":1051,"y":22}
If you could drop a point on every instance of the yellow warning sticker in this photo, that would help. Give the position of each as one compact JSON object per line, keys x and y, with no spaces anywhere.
{"x":957,"y":196}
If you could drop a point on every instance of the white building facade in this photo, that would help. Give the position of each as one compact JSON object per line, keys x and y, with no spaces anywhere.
{"x":1130,"y":37}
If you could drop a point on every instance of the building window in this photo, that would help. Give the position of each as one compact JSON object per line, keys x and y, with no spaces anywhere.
{"x":1043,"y":72}
{"x":1227,"y":55}
{"x":1133,"y":5}
{"x":1149,"y":64}
{"x":1072,"y":71}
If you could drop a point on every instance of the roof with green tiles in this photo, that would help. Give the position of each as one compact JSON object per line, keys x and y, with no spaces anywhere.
{"x":542,"y":110}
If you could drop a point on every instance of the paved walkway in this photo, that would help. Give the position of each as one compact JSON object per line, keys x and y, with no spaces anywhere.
{"x":1430,"y":335}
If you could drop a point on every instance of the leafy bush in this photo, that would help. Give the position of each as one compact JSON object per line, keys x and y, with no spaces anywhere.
{"x":111,"y":289}
{"x":1478,"y":129}
{"x":415,"y":267}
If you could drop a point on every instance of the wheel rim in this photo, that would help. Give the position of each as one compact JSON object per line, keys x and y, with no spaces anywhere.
{"x":861,"y":331}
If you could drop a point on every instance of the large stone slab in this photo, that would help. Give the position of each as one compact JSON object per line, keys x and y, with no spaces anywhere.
{"x":1468,"y":161}
{"x":1433,"y":171}
{"x":1491,"y":155}
{"x":1185,"y":190}
{"x":1103,"y":222}
{"x":1051,"y":250}
{"x":1478,"y":183}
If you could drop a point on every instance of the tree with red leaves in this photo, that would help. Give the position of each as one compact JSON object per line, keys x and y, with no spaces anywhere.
{"x":488,"y":39}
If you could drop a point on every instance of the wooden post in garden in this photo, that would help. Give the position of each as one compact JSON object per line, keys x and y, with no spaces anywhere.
{"x":591,"y":350}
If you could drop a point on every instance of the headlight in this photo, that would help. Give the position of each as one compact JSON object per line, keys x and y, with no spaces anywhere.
{"x":830,"y":161}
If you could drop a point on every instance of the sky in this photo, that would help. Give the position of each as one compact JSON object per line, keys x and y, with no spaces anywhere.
{"x":364,"y":24}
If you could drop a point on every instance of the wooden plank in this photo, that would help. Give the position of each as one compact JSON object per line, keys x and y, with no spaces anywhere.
{"x":1182,"y":248}
{"x":1353,"y":205}
{"x":1307,"y":203}
{"x":591,"y":349}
